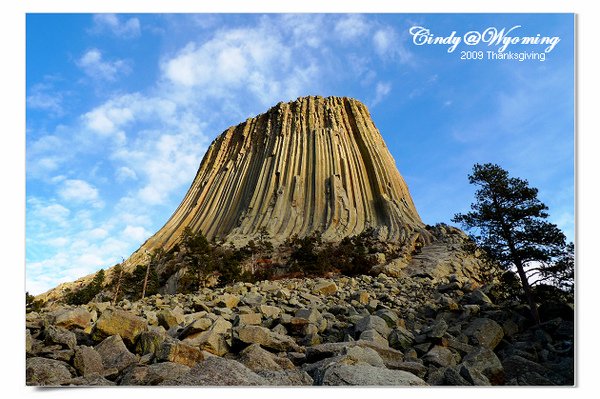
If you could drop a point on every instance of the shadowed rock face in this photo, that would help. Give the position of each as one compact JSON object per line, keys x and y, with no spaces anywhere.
{"x":314,"y":164}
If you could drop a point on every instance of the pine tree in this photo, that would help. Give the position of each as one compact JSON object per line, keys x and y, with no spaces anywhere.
{"x":510,"y":224}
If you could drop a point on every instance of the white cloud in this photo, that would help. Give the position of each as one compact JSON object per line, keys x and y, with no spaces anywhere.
{"x":94,"y":66}
{"x":43,"y":212}
{"x":109,"y":118}
{"x":389,"y":44}
{"x":351,"y":27}
{"x":383,"y":40}
{"x":45,"y":156}
{"x":97,"y":233}
{"x":305,"y":29}
{"x":58,"y":242}
{"x":136,"y":233}
{"x":124,"y":173}
{"x":259,"y":61}
{"x":43,"y":98}
{"x":163,"y":164}
{"x":381,"y":91}
{"x":129,"y":28}
{"x":79,"y":191}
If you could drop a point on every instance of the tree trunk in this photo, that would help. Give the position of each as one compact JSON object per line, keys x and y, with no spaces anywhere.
{"x":146,"y":280}
{"x":527,"y":288}
{"x":118,"y":287}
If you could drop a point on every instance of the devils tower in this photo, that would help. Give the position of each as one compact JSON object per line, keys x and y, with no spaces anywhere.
{"x":314,"y":164}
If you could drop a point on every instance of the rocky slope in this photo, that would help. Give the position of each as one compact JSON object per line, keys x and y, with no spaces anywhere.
{"x":436,"y":320}
{"x":343,"y":331}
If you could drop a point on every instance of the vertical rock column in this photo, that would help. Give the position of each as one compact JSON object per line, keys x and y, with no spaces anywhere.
{"x":314,"y":164}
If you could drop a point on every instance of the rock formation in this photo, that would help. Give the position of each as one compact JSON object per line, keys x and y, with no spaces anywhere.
{"x":314,"y":164}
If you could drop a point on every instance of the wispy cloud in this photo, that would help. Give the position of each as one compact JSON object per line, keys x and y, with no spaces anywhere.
{"x":79,"y":192}
{"x":389,"y":44}
{"x":42,"y":96}
{"x":352,"y":27}
{"x":255,"y":60}
{"x":382,"y":89}
{"x":129,"y":28}
{"x":93,"y":64}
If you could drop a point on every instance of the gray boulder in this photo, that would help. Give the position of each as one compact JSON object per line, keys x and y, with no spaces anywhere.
{"x":115,"y":354}
{"x":59,"y":336}
{"x":485,"y":361}
{"x":150,"y":341}
{"x":366,"y":375}
{"x":154,"y":374}
{"x":484,"y":332}
{"x":179,"y":352}
{"x":400,"y":338}
{"x":287,"y":377}
{"x":93,"y":380}
{"x":217,"y":371}
{"x":258,"y":359}
{"x":123,"y":323}
{"x":264,"y":337}
{"x":527,"y":372}
{"x":373,"y":323}
{"x":87,"y":361}
{"x":68,"y":318}
{"x":48,"y":372}
{"x":440,"y":356}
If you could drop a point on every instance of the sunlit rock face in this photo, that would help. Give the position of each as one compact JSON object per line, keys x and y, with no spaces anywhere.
{"x":314,"y":164}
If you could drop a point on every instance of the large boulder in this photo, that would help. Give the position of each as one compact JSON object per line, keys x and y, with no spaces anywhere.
{"x":214,"y":340}
{"x":527,"y":372}
{"x":87,"y":361}
{"x":325,"y":287}
{"x":266,"y":338}
{"x":258,"y":359}
{"x":373,"y":323}
{"x":150,"y":341}
{"x":68,"y":318}
{"x":253,"y":299}
{"x":115,"y":354}
{"x":197,"y":326}
{"x":154,"y":374}
{"x":375,"y":337}
{"x":59,"y":336}
{"x":484,"y":332}
{"x":363,"y":374}
{"x":169,"y":318}
{"x":287,"y":377}
{"x":217,"y":371}
{"x":178,"y":352}
{"x":277,"y":370}
{"x":440,"y":356}
{"x":92,"y":380}
{"x":123,"y":323}
{"x":400,"y":338}
{"x":227,"y":300}
{"x":485,"y":361}
{"x":248,"y":319}
{"x":41,"y":371}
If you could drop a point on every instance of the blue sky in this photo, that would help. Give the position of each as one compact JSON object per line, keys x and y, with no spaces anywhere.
{"x":120,"y":109}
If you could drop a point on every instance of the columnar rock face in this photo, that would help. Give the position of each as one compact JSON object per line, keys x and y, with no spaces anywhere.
{"x":314,"y":164}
